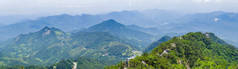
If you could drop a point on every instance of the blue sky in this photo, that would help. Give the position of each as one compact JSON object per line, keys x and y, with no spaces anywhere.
{"x":52,"y":7}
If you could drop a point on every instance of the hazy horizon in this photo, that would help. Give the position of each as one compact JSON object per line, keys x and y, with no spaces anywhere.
{"x":73,"y":7}
{"x":118,"y":34}
{"x":13,"y":19}
{"x":30,"y":9}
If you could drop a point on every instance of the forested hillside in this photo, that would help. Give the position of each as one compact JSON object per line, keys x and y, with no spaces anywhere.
{"x":191,"y":51}
{"x":51,"y":45}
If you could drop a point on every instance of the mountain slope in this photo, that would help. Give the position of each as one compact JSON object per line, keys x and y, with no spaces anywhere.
{"x":100,"y":45}
{"x":155,"y":44}
{"x":191,"y":51}
{"x":122,"y":31}
{"x":50,"y":45}
{"x":41,"y":46}
{"x":116,"y":28}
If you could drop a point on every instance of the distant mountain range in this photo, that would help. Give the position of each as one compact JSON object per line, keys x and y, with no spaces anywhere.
{"x":224,"y":24}
{"x":10,"y":19}
{"x":153,"y":22}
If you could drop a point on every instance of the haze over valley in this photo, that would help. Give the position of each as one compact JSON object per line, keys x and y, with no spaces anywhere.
{"x":127,"y":34}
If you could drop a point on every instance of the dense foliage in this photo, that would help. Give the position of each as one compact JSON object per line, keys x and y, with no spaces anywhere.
{"x":22,"y":67}
{"x":81,"y":63}
{"x":191,"y":51}
{"x":51,"y":45}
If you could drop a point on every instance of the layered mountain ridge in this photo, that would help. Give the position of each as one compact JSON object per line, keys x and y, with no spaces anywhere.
{"x":221,"y":23}
{"x":50,"y":45}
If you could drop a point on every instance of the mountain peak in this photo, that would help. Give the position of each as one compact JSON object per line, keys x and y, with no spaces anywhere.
{"x":109,"y":25}
{"x":111,"y":22}
{"x":156,"y":43}
{"x":165,"y":38}
{"x":47,"y":30}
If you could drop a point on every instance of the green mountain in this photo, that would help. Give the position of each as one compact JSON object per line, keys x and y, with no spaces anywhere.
{"x":115,"y":28}
{"x":42,"y":47}
{"x":156,"y":43}
{"x":51,"y":45}
{"x":190,"y":51}
{"x":100,"y":45}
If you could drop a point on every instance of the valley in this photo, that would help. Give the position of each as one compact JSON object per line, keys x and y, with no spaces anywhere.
{"x":150,"y":39}
{"x":108,"y":43}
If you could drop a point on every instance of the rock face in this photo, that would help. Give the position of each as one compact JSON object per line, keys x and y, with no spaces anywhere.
{"x":74,"y":65}
{"x":165,"y":52}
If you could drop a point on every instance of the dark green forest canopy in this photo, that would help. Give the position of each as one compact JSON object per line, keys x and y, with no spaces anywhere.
{"x":192,"y":51}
